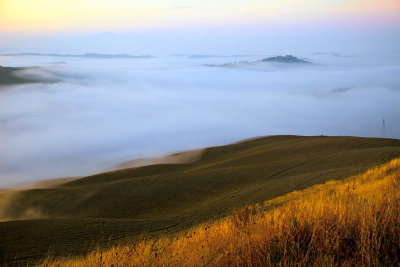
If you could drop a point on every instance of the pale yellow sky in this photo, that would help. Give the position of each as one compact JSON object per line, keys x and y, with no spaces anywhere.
{"x":94,"y":15}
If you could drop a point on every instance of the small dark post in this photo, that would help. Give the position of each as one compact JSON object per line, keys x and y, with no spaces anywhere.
{"x":383,"y":127}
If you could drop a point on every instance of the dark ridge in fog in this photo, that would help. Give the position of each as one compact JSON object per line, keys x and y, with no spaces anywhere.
{"x":289,"y":59}
{"x":13,"y":76}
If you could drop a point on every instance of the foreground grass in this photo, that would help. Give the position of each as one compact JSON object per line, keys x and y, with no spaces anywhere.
{"x":350,"y":222}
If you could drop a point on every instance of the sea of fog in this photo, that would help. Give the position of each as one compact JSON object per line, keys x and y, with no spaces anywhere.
{"x":104,"y":111}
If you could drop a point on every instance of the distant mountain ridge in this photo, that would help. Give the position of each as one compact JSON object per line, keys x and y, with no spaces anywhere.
{"x":87,"y":55}
{"x":333,"y":54}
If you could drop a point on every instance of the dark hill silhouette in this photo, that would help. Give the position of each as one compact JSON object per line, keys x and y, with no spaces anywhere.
{"x":9,"y":76}
{"x":285,"y":59}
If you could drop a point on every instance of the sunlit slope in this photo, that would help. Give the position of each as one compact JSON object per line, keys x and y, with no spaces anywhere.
{"x":354,"y":222}
{"x":110,"y":207}
{"x":226,"y":176}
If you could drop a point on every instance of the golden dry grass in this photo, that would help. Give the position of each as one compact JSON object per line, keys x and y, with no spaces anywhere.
{"x":350,"y":222}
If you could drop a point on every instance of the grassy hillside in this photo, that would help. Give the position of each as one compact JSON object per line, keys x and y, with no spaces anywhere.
{"x":355,"y":222}
{"x":106,"y":208}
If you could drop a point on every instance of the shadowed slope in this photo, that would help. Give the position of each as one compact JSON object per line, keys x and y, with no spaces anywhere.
{"x":176,"y":196}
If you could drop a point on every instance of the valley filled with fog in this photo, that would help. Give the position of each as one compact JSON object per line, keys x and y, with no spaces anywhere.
{"x":105,"y":110}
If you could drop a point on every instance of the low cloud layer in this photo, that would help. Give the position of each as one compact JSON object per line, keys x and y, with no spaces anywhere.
{"x":107,"y":111}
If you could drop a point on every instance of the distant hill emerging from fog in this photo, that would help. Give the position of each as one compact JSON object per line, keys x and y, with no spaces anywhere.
{"x":8,"y":76}
{"x":286,"y":59}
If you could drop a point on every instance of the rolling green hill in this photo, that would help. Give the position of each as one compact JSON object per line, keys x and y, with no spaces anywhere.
{"x":109,"y":207}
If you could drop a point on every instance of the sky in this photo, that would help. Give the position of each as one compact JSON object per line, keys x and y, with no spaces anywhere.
{"x":215,"y":26}
{"x":104,"y":15}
